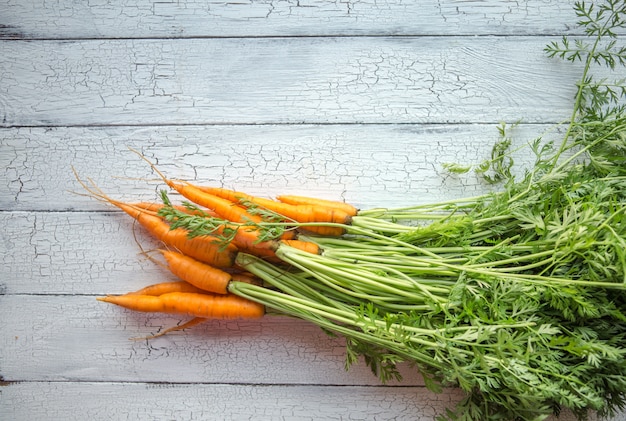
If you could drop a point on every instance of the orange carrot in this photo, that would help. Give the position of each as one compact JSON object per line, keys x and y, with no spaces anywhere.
{"x":231,"y":195}
{"x":298,"y":213}
{"x":165,"y":287}
{"x":247,"y":240}
{"x":303,"y":245}
{"x":203,"y":248}
{"x":224,"y":208}
{"x":208,"y":306}
{"x":307,"y":214}
{"x":304,"y":200}
{"x":247,"y":278}
{"x":155,"y":207}
{"x":184,"y":286}
{"x":196,"y":273}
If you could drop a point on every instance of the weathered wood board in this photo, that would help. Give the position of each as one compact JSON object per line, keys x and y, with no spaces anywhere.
{"x":264,"y":18}
{"x":362,"y":101}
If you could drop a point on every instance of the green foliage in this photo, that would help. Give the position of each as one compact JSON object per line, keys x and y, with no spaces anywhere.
{"x":501,"y":162}
{"x":198,"y":222}
{"x":517,"y":297}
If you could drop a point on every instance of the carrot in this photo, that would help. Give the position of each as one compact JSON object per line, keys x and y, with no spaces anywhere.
{"x":303,"y":245}
{"x":208,"y":306}
{"x":231,"y":195}
{"x":247,"y":278}
{"x":165,"y":287}
{"x":223,"y":207}
{"x":298,"y":213}
{"x":181,"y":286}
{"x":308,"y":214}
{"x":184,"y":286}
{"x":156,"y":207}
{"x":313,"y":201}
{"x":196,"y":273}
{"x":245,"y":238}
{"x":248,"y":242}
{"x":203,"y":248}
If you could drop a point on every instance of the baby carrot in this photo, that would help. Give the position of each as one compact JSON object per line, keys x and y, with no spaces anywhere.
{"x":298,"y":213}
{"x":313,"y":201}
{"x":303,"y":245}
{"x":204,"y":248}
{"x":208,"y":306}
{"x":197,"y":273}
{"x":222,"y":207}
{"x":231,"y":195}
{"x":308,"y":214}
{"x":156,"y":207}
{"x":165,"y":287}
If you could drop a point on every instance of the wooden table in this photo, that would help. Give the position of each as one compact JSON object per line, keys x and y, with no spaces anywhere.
{"x":362,"y":101}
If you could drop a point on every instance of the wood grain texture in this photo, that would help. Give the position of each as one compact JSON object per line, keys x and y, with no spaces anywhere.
{"x":194,"y":18}
{"x":136,"y":401}
{"x":93,"y":341}
{"x":362,"y":101}
{"x":121,"y":401}
{"x":367,"y":165}
{"x":283,"y":80}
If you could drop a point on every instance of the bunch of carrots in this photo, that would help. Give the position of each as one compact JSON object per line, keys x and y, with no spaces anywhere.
{"x":517,"y":297}
{"x":473,"y":292}
{"x":205,"y":258}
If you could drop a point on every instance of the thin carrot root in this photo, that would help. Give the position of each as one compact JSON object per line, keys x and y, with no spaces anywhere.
{"x":193,"y":322}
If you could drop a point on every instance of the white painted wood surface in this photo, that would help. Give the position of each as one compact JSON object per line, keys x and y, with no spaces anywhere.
{"x":356,"y":100}
{"x":197,"y":18}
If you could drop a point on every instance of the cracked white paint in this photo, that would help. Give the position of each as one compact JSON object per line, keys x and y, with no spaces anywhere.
{"x":232,"y":402}
{"x":376,"y":96}
{"x":146,"y":18}
{"x":368,"y":165}
{"x":311,"y":80}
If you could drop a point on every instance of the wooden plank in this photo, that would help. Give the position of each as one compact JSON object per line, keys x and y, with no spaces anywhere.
{"x":283,"y":80}
{"x":75,"y":253}
{"x":367,"y":165}
{"x":76,"y":338}
{"x":141,"y":19}
{"x":80,"y":82}
{"x":106,"y":401}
